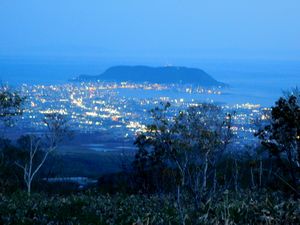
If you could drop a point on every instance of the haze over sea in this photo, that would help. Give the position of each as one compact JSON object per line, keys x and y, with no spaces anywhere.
{"x":260,"y":82}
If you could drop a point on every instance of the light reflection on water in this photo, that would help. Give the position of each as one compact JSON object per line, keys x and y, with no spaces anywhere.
{"x":230,"y":96}
{"x":107,"y":148}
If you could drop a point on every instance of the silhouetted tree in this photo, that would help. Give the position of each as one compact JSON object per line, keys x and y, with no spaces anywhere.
{"x":38,"y":148}
{"x":281,"y":137}
{"x":188,"y":143}
{"x":11,"y":106}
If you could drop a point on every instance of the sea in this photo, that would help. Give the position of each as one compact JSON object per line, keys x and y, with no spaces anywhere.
{"x":250,"y":81}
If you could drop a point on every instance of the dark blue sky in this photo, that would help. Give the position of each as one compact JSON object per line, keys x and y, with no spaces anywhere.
{"x":256,"y":29}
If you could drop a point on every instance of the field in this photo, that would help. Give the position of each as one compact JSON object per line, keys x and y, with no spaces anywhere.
{"x":94,"y":208}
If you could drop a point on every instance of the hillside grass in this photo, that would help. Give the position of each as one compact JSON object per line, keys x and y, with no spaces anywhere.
{"x":95,"y":208}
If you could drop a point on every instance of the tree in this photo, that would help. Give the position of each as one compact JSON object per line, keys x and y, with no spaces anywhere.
{"x":10,"y":175}
{"x":11,"y":105}
{"x":206,"y":133}
{"x":281,"y":137}
{"x":150,"y":160}
{"x":38,"y":148}
{"x":189,"y":143}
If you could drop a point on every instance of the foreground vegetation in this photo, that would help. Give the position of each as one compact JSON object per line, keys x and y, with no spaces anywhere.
{"x":94,"y":208}
{"x":188,"y":170}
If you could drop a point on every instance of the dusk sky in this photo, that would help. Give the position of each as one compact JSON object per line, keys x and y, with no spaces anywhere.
{"x":268,"y":29}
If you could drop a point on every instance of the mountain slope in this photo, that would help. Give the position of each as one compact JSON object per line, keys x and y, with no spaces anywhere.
{"x":163,"y":75}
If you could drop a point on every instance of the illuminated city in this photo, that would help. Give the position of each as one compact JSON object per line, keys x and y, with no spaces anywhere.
{"x":99,"y":106}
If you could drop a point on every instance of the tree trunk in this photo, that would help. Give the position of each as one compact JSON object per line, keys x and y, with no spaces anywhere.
{"x":204,"y":183}
{"x":270,"y":171}
{"x":29,"y":188}
{"x":260,"y":172}
{"x":179,"y":205}
{"x":236,"y":176}
{"x":292,"y":172}
{"x":252,"y":177}
{"x":215,"y":180}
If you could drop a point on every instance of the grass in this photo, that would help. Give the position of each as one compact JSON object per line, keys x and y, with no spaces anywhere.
{"x":95,"y":208}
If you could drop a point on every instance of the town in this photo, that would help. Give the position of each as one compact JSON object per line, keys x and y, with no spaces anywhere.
{"x":102,"y":106}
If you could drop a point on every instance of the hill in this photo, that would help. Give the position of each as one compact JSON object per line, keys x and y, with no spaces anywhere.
{"x":163,"y":75}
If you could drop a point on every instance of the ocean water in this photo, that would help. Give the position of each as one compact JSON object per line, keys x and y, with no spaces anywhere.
{"x":262,"y":81}
{"x":259,"y":82}
{"x":17,"y":71}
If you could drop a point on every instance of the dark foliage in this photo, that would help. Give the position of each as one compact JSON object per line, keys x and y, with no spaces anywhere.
{"x":282,"y":138}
